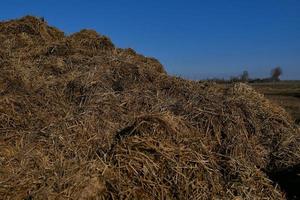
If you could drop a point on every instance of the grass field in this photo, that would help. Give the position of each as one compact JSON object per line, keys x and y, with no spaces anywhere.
{"x":285,"y":93}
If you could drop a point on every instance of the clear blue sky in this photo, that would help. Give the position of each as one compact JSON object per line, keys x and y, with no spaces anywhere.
{"x":192,"y":38}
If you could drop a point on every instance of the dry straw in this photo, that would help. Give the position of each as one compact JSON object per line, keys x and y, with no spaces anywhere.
{"x":82,"y":119}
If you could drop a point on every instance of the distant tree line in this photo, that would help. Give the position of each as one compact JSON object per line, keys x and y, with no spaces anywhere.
{"x":245,"y":77}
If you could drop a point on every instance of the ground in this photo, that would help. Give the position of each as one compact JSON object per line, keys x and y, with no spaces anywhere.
{"x":285,"y":93}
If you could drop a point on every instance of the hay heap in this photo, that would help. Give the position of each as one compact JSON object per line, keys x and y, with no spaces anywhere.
{"x":82,"y":119}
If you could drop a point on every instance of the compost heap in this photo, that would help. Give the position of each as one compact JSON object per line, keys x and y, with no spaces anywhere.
{"x":83,"y":119}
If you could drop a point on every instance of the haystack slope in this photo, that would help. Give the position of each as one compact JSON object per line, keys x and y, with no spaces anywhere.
{"x":83,"y":119}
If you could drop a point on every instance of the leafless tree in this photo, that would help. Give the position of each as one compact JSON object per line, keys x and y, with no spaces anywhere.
{"x":245,"y":76}
{"x":276,"y":73}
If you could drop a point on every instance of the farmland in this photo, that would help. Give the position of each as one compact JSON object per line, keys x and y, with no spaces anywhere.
{"x":285,"y":93}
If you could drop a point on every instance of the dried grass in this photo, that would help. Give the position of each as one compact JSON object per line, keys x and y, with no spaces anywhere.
{"x":82,"y":119}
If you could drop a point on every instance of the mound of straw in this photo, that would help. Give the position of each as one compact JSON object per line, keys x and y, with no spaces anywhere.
{"x":83,"y":119}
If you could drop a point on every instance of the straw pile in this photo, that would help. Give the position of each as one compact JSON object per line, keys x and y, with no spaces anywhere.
{"x":82,"y":119}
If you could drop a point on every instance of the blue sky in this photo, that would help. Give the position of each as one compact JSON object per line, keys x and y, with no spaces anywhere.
{"x":195,"y":39}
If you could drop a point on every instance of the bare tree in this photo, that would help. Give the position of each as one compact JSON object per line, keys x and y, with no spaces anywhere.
{"x":245,"y":76}
{"x":276,"y":73}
